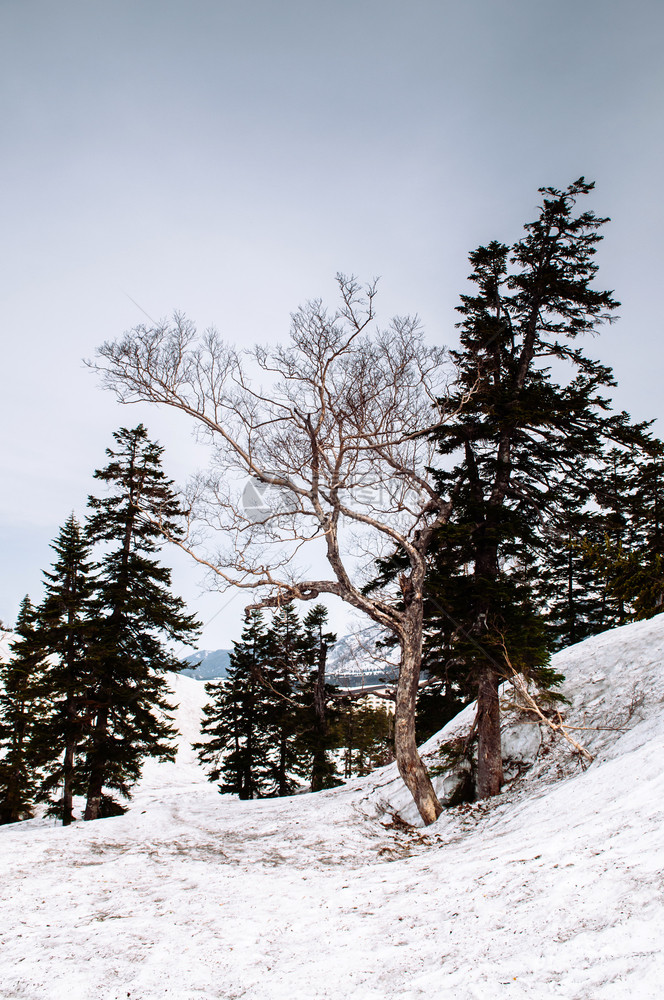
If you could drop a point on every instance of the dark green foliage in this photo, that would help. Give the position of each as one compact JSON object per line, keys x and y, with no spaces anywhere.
{"x":437,"y":704}
{"x":320,"y":714}
{"x":84,"y":698}
{"x":274,"y":726}
{"x":570,"y":592}
{"x":527,"y":444}
{"x":521,"y":438}
{"x":235,"y":720}
{"x":134,"y":614}
{"x":63,"y":633}
{"x":19,"y":708}
{"x":366,"y":736}
{"x":256,"y":718}
{"x":284,"y":676}
{"x":627,"y":550}
{"x":524,"y":466}
{"x":602,"y":565}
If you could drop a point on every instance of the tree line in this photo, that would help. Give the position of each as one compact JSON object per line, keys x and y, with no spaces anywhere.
{"x":274,"y":726}
{"x":483,"y":506}
{"x":83,"y":698}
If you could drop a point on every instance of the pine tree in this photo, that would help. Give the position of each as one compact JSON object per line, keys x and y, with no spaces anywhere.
{"x":135,"y":614}
{"x":319,"y":711}
{"x":19,"y":709}
{"x":569,"y":593}
{"x":235,"y":720}
{"x":269,"y":722}
{"x":517,"y":444}
{"x":63,"y":635}
{"x":627,"y":551}
{"x":365,"y":736}
{"x":641,"y":581}
{"x":437,"y":703}
{"x":287,"y":757}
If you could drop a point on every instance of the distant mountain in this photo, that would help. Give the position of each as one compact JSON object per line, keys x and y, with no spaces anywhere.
{"x":354,"y":663}
{"x":348,"y":665}
{"x":212,"y":663}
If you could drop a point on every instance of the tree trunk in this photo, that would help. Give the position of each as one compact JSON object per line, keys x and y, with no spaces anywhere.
{"x":318,"y":769}
{"x":348,"y":755}
{"x":96,"y":780}
{"x":490,"y":761}
{"x":93,"y":804}
{"x":246,"y":766}
{"x":409,"y":762}
{"x":283,"y":788}
{"x":490,"y":753}
{"x":248,"y":781}
{"x":67,"y":791}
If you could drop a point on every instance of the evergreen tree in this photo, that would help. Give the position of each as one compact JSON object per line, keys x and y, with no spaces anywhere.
{"x":235,"y":720}
{"x":627,"y":552}
{"x":441,"y":700}
{"x":269,"y":722}
{"x":19,"y":708}
{"x":365,"y":736}
{"x":569,"y":594}
{"x":287,"y":757}
{"x":520,"y":439}
{"x":135,"y":614}
{"x":319,"y":711}
{"x":63,"y":635}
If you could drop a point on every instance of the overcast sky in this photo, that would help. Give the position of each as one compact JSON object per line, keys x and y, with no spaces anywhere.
{"x":226,"y":159}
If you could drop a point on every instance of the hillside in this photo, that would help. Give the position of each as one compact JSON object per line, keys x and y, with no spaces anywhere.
{"x":554,"y":889}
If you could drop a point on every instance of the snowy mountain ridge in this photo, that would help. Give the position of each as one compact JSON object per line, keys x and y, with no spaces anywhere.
{"x":207,"y":664}
{"x":348,"y":663}
{"x":553,"y":889}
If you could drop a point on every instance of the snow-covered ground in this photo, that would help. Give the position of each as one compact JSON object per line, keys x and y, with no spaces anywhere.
{"x":552,"y":890}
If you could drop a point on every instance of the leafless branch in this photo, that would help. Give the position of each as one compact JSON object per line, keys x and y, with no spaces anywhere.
{"x":335,"y":430}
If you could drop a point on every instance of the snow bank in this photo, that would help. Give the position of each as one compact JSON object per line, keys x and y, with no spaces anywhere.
{"x":614,"y":683}
{"x":554,"y":889}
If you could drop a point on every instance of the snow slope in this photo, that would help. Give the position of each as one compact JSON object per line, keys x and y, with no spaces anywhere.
{"x":5,"y":639}
{"x":554,"y":889}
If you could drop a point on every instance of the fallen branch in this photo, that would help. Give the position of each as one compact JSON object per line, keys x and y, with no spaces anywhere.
{"x":519,"y":685}
{"x":589,"y":729}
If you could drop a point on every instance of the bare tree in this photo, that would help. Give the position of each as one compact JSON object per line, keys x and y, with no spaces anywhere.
{"x":336,"y":425}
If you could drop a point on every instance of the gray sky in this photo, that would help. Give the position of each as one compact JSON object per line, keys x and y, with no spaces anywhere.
{"x":226,"y":159}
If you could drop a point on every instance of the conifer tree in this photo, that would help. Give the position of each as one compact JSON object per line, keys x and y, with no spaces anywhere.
{"x":269,"y":722}
{"x":315,"y":646}
{"x":518,"y":444}
{"x":63,"y":635}
{"x":627,"y":552}
{"x":19,"y":708}
{"x":365,"y":736}
{"x":441,"y":700}
{"x":235,"y":720}
{"x":570,"y":591}
{"x":273,"y":720}
{"x":135,"y":614}
{"x":287,"y":757}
